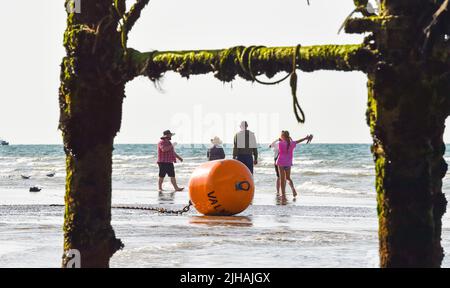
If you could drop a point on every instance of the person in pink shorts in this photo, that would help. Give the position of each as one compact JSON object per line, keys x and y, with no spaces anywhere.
{"x":286,"y":147}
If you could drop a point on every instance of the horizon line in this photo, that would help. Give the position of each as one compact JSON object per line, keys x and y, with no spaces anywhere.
{"x":181,"y":143}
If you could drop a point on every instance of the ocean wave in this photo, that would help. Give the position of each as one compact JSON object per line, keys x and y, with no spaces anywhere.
{"x":132,"y":157}
{"x":310,"y":161}
{"x":340,"y":171}
{"x":189,"y":164}
{"x":301,"y":162}
{"x":134,"y":167}
{"x":371,"y":167}
{"x":321,"y":188}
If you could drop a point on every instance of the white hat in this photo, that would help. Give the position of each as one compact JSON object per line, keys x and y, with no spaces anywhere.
{"x":216,"y":141}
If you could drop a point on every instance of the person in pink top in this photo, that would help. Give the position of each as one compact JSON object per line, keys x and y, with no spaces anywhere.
{"x":286,"y":147}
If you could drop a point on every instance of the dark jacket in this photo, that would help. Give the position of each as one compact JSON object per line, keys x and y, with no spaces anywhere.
{"x":215,"y":153}
{"x":245,"y":144}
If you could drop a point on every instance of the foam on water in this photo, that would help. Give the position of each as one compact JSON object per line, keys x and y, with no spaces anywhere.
{"x":325,"y":189}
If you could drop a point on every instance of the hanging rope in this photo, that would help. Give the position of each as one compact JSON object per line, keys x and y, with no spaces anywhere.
{"x":293,"y":82}
{"x":245,"y":61}
{"x":155,"y":209}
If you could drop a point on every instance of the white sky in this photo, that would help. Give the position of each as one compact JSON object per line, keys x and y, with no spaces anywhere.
{"x":198,"y":108}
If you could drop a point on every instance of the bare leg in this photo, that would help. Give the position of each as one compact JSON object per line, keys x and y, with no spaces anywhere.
{"x":160,"y":182}
{"x":278,"y":185}
{"x":291,"y":183}
{"x":174,"y":183}
{"x":282,"y":180}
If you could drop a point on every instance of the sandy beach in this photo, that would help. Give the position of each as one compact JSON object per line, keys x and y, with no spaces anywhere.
{"x":311,"y":232}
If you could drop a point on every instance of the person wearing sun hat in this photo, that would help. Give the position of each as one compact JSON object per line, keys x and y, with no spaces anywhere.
{"x":216,"y":152}
{"x":166,"y":157}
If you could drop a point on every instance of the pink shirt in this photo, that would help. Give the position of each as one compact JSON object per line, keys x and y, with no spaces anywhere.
{"x":166,"y":153}
{"x":286,"y":155}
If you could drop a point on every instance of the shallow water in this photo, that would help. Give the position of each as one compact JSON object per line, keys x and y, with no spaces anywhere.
{"x":332,"y":224}
{"x":309,"y":234}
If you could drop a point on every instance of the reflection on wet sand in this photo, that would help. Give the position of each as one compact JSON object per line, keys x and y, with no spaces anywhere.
{"x":240,"y":221}
{"x":166,"y":197}
{"x":282,"y":200}
{"x":283,"y":219}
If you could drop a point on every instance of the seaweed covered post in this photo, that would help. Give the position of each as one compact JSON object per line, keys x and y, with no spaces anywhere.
{"x":407,"y":107}
{"x":90,"y":96}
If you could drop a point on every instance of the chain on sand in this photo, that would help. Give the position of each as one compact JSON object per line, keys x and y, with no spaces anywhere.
{"x":155,"y":209}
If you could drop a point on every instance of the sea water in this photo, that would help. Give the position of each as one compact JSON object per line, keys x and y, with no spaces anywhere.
{"x":333,"y":222}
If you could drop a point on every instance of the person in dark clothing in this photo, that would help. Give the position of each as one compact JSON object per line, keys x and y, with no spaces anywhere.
{"x":245,"y":147}
{"x":216,"y":151}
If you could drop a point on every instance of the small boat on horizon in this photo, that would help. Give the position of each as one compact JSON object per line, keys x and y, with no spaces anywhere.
{"x":3,"y":142}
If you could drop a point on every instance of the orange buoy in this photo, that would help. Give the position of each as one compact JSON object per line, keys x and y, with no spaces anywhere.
{"x":221,"y":188}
